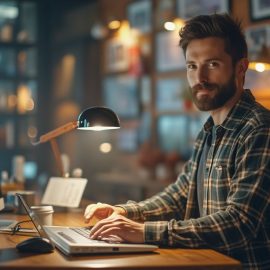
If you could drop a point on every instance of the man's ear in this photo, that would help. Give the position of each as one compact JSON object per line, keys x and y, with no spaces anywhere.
{"x":242,"y":66}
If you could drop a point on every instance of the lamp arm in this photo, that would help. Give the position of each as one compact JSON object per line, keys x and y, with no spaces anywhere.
{"x":57,"y":132}
{"x":57,"y":155}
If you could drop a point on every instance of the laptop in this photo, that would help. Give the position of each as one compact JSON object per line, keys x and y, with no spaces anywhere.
{"x":75,"y":240}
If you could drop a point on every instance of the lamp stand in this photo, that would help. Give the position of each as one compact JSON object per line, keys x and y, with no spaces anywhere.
{"x":50,"y":136}
{"x":57,"y":155}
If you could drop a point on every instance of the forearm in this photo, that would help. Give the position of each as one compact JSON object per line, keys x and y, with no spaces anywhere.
{"x":164,"y":206}
{"x":206,"y":232}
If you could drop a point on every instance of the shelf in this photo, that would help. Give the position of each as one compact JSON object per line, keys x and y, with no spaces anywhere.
{"x":19,"y":82}
{"x":12,"y":187}
{"x":17,"y":45}
{"x":4,"y":114}
{"x":17,"y":77}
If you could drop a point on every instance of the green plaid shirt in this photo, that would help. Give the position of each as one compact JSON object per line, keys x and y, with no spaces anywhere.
{"x":236,"y":211}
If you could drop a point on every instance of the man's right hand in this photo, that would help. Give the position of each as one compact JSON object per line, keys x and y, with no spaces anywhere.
{"x":100,"y":211}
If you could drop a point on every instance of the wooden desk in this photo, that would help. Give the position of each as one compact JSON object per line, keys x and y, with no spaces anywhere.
{"x":166,"y":259}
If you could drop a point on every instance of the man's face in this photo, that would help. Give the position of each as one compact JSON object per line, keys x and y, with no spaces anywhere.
{"x":210,"y":73}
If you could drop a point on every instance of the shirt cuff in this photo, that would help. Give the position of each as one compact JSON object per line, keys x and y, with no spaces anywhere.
{"x":132,"y":211}
{"x":156,"y":232}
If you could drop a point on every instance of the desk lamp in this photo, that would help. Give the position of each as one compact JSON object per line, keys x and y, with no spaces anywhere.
{"x":94,"y":118}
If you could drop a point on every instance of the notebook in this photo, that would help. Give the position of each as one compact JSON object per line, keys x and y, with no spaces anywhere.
{"x":7,"y":224}
{"x":75,"y":240}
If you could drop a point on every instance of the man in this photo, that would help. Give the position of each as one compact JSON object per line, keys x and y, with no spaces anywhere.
{"x":221,"y":198}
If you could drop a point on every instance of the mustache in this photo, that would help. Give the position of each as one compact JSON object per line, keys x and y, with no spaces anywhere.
{"x":205,"y":85}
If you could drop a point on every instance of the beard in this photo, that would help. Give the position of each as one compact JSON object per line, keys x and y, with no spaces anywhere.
{"x":222,"y":94}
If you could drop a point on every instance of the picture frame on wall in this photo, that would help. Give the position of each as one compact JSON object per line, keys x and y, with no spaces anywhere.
{"x":173,"y":135}
{"x":257,"y":36}
{"x":116,"y":56}
{"x":165,"y":11}
{"x":120,"y":93}
{"x":139,"y":15}
{"x":190,"y":8}
{"x":128,"y":137}
{"x":169,"y":55}
{"x":169,"y":96}
{"x":259,"y":9}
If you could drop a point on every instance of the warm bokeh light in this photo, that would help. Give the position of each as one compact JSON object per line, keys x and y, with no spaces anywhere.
{"x":32,"y":132}
{"x":170,"y":26}
{"x":23,"y":97}
{"x":176,"y":24}
{"x":113,"y":25}
{"x":30,"y":105}
{"x":179,"y":23}
{"x":105,"y":148}
{"x":124,"y":30}
{"x":260,"y":67}
{"x":64,"y":75}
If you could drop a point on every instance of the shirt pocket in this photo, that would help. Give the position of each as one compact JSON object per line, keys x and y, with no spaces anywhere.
{"x":220,"y":181}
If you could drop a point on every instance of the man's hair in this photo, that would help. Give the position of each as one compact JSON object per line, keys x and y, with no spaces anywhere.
{"x":216,"y":25}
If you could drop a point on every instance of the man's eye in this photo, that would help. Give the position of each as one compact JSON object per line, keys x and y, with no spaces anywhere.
{"x":191,"y":66}
{"x":213,"y":64}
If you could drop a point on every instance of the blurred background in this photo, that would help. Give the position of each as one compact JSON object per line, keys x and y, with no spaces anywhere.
{"x":58,"y":58}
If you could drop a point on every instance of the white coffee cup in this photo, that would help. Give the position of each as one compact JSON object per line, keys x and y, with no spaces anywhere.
{"x":44,"y":214}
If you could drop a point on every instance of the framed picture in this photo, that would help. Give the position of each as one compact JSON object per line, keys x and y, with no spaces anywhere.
{"x":169,"y":96}
{"x":121,"y":95}
{"x":173,"y":134}
{"x":169,"y":56}
{"x":256,"y":37}
{"x":144,"y":131}
{"x":165,"y":10}
{"x":178,"y":132}
{"x":145,"y":93}
{"x":127,"y":137}
{"x":116,"y":56}
{"x":139,"y":15}
{"x":259,"y":9}
{"x":190,"y":8}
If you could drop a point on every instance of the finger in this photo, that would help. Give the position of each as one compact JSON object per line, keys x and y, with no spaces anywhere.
{"x":89,"y":210}
{"x":99,"y":210}
{"x":106,"y":231}
{"x":109,"y":220}
{"x":92,"y":207}
{"x":101,"y":226}
{"x":113,"y":239}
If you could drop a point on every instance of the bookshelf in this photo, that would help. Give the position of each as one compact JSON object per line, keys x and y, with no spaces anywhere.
{"x":18,"y":84}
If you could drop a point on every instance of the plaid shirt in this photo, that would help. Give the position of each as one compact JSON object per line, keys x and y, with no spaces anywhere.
{"x":236,"y":211}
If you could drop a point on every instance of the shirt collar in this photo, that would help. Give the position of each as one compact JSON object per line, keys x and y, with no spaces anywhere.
{"x":237,"y":113}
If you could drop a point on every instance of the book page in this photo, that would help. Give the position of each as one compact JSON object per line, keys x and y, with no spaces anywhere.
{"x":65,"y":192}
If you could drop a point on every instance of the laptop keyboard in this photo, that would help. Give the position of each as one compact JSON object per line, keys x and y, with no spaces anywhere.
{"x":84,"y":231}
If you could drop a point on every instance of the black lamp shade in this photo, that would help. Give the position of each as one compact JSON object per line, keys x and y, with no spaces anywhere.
{"x":98,"y":118}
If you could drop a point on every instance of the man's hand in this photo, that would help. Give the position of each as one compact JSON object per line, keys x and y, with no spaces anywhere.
{"x":117,"y":228}
{"x":100,"y":211}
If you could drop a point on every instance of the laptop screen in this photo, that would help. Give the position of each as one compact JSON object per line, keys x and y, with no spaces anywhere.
{"x":33,"y":218}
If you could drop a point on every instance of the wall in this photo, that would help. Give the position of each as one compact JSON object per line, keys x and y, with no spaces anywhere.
{"x":136,"y":166}
{"x":159,"y":163}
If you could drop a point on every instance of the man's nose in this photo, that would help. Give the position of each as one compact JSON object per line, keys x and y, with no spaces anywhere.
{"x":201,"y":75}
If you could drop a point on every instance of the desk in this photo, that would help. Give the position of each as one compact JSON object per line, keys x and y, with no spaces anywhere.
{"x":165,"y":259}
